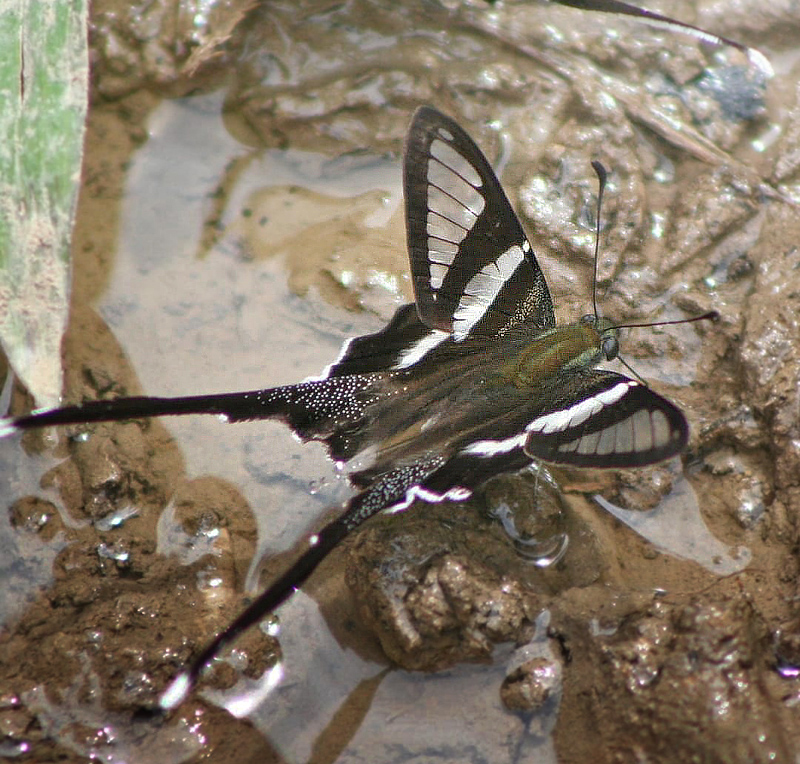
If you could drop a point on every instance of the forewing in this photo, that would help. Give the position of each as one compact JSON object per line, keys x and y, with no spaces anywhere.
{"x":473,"y":269}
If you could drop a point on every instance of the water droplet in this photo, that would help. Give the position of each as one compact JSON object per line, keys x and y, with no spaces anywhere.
{"x":116,"y":552}
{"x":208,"y":580}
{"x":116,"y":519}
{"x":542,"y":552}
{"x":271,"y":626}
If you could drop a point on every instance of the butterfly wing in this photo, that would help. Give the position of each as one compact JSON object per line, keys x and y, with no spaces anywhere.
{"x":599,"y":418}
{"x":400,"y":344}
{"x":473,"y":269}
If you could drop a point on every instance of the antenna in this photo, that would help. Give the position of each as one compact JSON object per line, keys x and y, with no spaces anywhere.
{"x":602,"y":176}
{"x":711,"y":315}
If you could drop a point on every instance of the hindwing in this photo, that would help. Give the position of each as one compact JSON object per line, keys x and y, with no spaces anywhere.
{"x":595,"y":418}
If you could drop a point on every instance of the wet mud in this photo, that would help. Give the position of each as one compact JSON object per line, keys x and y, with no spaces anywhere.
{"x":240,"y":216}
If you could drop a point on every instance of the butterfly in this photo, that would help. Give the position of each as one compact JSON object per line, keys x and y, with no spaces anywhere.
{"x":472,"y":380}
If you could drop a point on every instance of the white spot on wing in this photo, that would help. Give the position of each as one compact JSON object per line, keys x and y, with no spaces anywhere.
{"x":443,"y":258}
{"x":470,"y":311}
{"x":445,"y":248}
{"x":438,"y":272}
{"x":420,"y":349}
{"x":448,"y":156}
{"x":642,"y":431}
{"x":453,"y":184}
{"x":452,"y":209}
{"x":558,"y":421}
{"x":608,"y":441}
{"x":624,"y":436}
{"x":588,"y":443}
{"x":442,"y":228}
{"x":488,"y":448}
{"x":461,"y":192}
{"x":456,"y":493}
{"x":482,"y":290}
{"x":662,"y":433}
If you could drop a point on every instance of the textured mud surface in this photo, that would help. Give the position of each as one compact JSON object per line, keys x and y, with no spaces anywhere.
{"x":240,"y":216}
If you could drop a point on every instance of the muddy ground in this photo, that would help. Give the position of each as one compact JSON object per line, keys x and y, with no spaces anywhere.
{"x":240,"y":216}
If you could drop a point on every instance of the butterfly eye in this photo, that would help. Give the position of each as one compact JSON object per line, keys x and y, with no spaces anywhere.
{"x":610,"y":348}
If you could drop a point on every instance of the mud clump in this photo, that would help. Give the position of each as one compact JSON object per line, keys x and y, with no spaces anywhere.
{"x":678,"y":682}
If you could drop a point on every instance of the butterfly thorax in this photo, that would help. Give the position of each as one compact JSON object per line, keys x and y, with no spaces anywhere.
{"x":562,"y":349}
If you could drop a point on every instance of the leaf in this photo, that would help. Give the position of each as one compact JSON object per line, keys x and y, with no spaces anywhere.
{"x":44,"y":75}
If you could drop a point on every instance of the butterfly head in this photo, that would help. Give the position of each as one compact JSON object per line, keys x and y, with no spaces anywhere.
{"x":607,"y":335}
